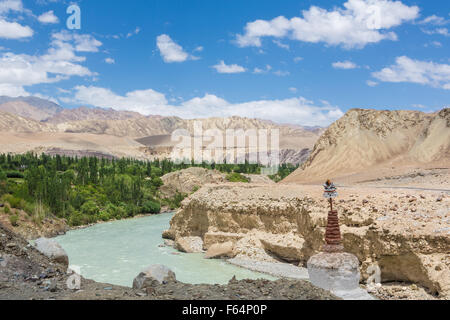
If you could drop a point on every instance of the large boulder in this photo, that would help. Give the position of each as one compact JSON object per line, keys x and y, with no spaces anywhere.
{"x":189,"y":244}
{"x":154,"y":275}
{"x":220,"y":250}
{"x":51,"y":249}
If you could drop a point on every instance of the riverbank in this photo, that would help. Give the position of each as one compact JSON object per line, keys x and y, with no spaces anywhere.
{"x":25,"y":274}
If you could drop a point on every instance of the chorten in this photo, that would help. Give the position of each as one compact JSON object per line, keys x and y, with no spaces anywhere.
{"x":333,"y":269}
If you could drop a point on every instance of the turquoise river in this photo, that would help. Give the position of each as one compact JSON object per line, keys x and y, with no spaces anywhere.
{"x":116,"y":252}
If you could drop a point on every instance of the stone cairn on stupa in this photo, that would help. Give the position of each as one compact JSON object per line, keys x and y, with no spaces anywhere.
{"x":333,"y":269}
{"x":333,"y":239}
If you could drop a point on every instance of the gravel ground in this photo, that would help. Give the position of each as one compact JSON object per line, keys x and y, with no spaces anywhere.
{"x":284,"y":270}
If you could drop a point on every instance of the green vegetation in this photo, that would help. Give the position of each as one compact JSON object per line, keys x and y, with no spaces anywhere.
{"x":14,"y":220}
{"x":283,"y":172}
{"x":237,"y":177}
{"x":87,"y":190}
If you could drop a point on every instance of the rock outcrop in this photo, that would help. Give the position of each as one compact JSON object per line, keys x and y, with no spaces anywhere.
{"x":189,"y":180}
{"x":405,"y":234}
{"x":152,"y":276}
{"x":189,"y":244}
{"x":52,"y":250}
{"x":220,"y":250}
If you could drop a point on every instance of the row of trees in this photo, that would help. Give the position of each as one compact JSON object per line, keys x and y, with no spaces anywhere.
{"x":85,"y":190}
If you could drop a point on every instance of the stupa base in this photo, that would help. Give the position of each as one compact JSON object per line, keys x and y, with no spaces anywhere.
{"x":333,"y":248}
{"x":335,"y":272}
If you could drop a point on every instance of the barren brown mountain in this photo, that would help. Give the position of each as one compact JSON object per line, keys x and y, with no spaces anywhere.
{"x":29,"y":107}
{"x":82,"y":130}
{"x":364,"y":143}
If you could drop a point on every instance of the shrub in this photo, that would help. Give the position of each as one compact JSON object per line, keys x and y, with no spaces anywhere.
{"x":15,"y":202}
{"x":14,"y":220}
{"x":150,"y":207}
{"x":89,"y":208}
{"x":237,"y":177}
{"x":7,"y":209}
{"x":104,"y":216}
{"x":29,"y":208}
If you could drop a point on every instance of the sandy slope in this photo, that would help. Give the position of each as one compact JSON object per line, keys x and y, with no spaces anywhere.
{"x":365,"y":144}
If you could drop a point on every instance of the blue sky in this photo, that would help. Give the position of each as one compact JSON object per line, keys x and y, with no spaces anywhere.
{"x":302,"y":62}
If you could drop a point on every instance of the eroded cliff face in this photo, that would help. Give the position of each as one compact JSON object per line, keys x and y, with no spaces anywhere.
{"x":407,"y":235}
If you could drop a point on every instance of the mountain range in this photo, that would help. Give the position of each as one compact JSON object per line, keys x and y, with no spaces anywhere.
{"x":22,"y":120}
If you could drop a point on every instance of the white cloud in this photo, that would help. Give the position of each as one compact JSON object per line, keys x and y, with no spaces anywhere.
{"x":293,"y":90}
{"x":281,"y":44}
{"x":294,"y":110}
{"x":371,"y":83}
{"x":60,"y":62}
{"x":48,"y":18}
{"x":434,"y":20}
{"x":143,"y":101}
{"x":344,"y":65}
{"x":439,"y":31}
{"x":170,"y":51}
{"x":281,"y":73}
{"x":135,"y":32}
{"x":12,"y":29}
{"x":221,"y":67}
{"x":110,"y":61}
{"x":82,"y":42}
{"x":360,"y":23}
{"x":422,"y":72}
{"x":11,"y":90}
{"x":298,"y":59}
{"x":10,"y":5}
{"x":260,"y":71}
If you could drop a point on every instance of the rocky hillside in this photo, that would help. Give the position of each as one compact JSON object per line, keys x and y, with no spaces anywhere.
{"x":29,"y":107}
{"x":287,"y":223}
{"x":366,"y":138}
{"x":16,"y":124}
{"x":83,"y":113}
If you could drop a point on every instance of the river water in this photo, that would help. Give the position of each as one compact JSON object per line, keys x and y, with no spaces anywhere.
{"x":116,"y":252}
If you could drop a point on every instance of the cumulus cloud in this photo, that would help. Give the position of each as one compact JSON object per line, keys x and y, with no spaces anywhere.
{"x":422,"y":72}
{"x":110,"y":61}
{"x":222,"y":67}
{"x":359,"y":23}
{"x":82,"y":42}
{"x":48,"y":18}
{"x":171,"y":51}
{"x":11,"y":5}
{"x":12,"y":29}
{"x":295,"y":110}
{"x":60,"y":62}
{"x":344,"y":65}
